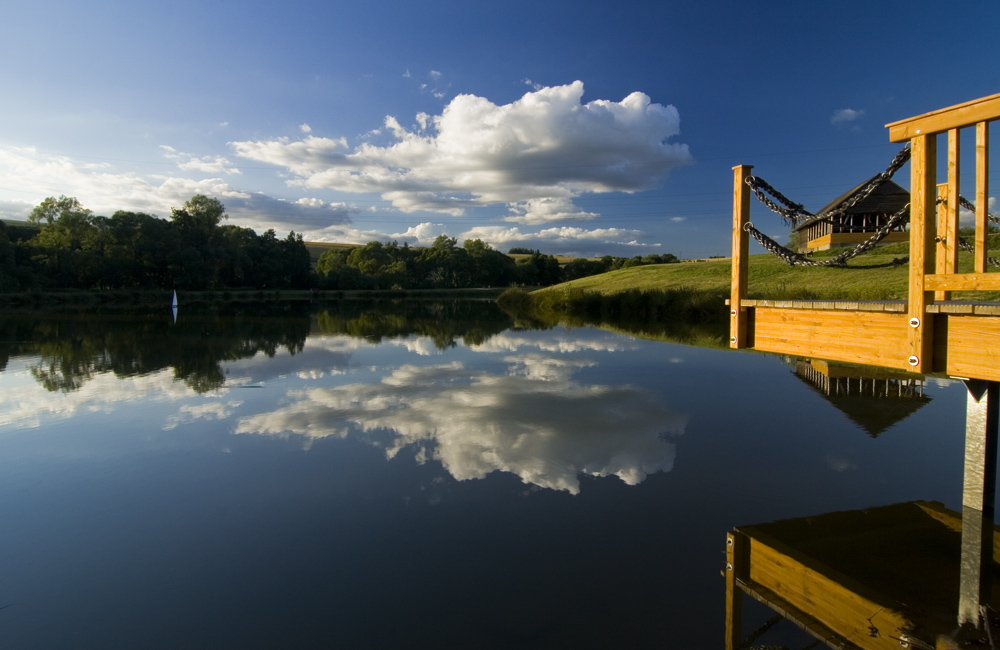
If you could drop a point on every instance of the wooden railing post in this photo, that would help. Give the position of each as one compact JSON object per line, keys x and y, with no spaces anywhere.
{"x":982,"y":193}
{"x":947,"y":251}
{"x":741,"y":250}
{"x":923,"y":194}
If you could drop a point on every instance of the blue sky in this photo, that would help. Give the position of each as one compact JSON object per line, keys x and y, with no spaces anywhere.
{"x":573,"y":127}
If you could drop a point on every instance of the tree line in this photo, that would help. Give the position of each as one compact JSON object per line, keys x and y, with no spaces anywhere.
{"x":70,"y":247}
{"x":191,"y":250}
{"x":445,"y":264}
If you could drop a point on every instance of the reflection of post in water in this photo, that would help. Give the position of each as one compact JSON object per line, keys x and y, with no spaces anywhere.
{"x":873,"y":398}
{"x":907,"y":575}
{"x":979,"y":487}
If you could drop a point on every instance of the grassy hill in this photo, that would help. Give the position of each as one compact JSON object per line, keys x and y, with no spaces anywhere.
{"x":769,"y":277}
{"x":317,"y":248}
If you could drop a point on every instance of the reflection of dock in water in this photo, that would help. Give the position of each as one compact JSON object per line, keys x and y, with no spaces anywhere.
{"x":873,"y":398}
{"x":874,"y":579}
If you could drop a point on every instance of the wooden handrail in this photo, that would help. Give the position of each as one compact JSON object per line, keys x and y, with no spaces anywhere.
{"x":984,"y":109}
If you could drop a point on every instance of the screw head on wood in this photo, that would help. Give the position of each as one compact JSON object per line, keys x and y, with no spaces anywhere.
{"x":913,"y":360}
{"x":732,"y":339}
{"x":914,"y":322}
{"x":733,"y":312}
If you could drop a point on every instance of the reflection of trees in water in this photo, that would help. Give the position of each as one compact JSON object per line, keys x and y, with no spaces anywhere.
{"x":76,"y":347}
{"x":444,"y":322}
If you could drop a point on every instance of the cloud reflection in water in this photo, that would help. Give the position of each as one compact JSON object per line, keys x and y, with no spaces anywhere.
{"x":535,"y":422}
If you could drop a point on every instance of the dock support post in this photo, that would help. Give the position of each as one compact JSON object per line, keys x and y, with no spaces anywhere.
{"x":979,"y":487}
{"x":735,"y":567}
{"x":741,"y":250}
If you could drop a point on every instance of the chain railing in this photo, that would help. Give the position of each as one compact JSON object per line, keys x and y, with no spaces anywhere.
{"x":796,"y":212}
{"x":793,"y":258}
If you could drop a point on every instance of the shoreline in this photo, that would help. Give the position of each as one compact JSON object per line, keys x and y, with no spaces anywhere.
{"x":163,"y":297}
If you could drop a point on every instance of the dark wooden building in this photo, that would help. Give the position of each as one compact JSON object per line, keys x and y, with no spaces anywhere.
{"x":824,"y":231}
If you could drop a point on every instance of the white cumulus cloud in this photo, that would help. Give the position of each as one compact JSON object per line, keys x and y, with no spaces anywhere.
{"x":546,"y":145}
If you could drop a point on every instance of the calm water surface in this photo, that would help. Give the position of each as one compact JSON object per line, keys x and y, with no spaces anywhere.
{"x":410,"y":476}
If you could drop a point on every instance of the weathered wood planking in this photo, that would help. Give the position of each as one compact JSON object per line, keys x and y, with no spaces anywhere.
{"x":974,"y":347}
{"x":874,"y":338}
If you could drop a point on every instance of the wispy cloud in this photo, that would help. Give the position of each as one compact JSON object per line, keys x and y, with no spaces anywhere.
{"x":104,"y":190}
{"x":207,"y":164}
{"x":846,"y":115}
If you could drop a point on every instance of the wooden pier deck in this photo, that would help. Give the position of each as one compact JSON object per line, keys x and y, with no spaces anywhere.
{"x":927,"y":333}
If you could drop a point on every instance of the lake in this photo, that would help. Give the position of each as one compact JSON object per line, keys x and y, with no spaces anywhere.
{"x":410,"y":475}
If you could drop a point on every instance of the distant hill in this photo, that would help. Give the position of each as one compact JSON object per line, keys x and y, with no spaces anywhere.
{"x":317,"y":248}
{"x":21,"y":224}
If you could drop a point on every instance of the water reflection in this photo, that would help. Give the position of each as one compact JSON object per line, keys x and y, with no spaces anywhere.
{"x":875,"y":399}
{"x":72,"y":349}
{"x":878,"y":578}
{"x":248,"y":492}
{"x":532,"y":420}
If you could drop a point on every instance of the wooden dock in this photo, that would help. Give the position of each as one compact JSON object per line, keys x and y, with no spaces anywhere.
{"x":927,"y":333}
{"x":932,"y":331}
{"x":876,"y":579}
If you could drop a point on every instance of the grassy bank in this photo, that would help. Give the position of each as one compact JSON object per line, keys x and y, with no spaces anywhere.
{"x":689,"y":298}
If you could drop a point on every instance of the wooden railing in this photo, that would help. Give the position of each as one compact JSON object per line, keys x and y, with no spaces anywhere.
{"x":928,"y":272}
{"x":933,"y":226}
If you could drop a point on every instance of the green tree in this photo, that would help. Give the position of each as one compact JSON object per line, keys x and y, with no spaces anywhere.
{"x":52,"y":208}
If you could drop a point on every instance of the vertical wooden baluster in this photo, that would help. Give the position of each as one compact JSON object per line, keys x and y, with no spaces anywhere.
{"x":982,"y":193}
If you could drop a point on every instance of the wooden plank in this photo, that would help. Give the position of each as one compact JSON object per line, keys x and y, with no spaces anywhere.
{"x":923,"y":194}
{"x":945,"y":240}
{"x":968,"y":113}
{"x":874,"y":338}
{"x":954,"y":169}
{"x":797,"y":617}
{"x":835,"y":605}
{"x":974,"y":347}
{"x":741,"y":254}
{"x":982,"y":194}
{"x":963,"y":282}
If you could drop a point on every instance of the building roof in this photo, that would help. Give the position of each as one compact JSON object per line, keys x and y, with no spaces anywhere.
{"x":887,"y":199}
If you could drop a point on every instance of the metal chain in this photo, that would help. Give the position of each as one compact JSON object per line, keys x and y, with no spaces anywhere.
{"x":969,"y":248}
{"x":796,"y":212}
{"x":792,"y":258}
{"x":971,"y":207}
{"x":759,"y":632}
{"x":965,"y":245}
{"x":901,"y":158}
